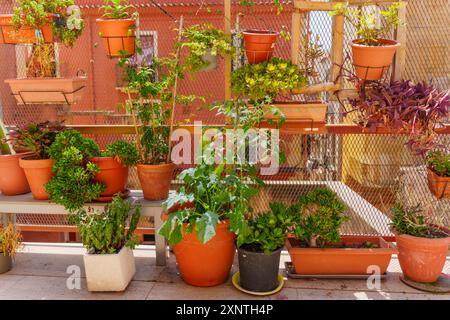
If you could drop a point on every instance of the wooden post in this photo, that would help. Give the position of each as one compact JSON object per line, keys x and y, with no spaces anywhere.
{"x":296,"y":33}
{"x":337,"y":47}
{"x":227,"y":27}
{"x":400,"y":35}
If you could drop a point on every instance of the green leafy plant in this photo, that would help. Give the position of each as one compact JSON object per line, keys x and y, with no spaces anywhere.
{"x":415,"y":221}
{"x":216,"y":193}
{"x":10,"y":240}
{"x":319,"y":215}
{"x":439,"y":162}
{"x":367,"y":29}
{"x":204,"y":39}
{"x":267,"y":232}
{"x":72,"y":184}
{"x":37,"y":137}
{"x":108,"y":231}
{"x":117,"y":9}
{"x":123,"y":152}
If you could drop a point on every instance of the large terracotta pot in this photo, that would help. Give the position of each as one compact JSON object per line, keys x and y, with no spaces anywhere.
{"x":439,"y":186}
{"x":12,"y":178}
{"x":372,"y":61}
{"x":24,"y":35}
{"x":112,"y":173}
{"x":155,"y":180}
{"x":422,"y":259}
{"x":259,"y":45}
{"x":118,"y":35}
{"x":38,"y":173}
{"x":47,"y":90}
{"x":209,"y":264}
{"x":334,"y":261}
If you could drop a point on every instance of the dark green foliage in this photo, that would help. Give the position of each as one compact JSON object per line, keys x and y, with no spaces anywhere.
{"x":439,"y":162}
{"x":105,"y":232}
{"x":267,"y":232}
{"x":73,"y":183}
{"x":319,"y":215}
{"x":124,"y":152}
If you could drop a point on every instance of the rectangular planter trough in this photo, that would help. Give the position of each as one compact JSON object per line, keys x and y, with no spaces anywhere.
{"x":341,"y":261}
{"x":314,"y":112}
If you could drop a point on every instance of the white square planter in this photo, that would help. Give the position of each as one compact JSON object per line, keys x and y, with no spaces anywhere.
{"x":109,"y":272}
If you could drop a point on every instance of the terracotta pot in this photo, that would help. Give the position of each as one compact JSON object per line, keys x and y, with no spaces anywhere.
{"x":206,"y":265}
{"x":112,"y":173}
{"x":297,"y":111}
{"x":259,"y":45}
{"x":47,"y":90}
{"x":334,"y":261}
{"x":24,"y":35}
{"x":439,"y":186}
{"x":422,"y":259}
{"x":371,"y":61}
{"x":118,"y":35}
{"x":38,"y":173}
{"x":12,"y":178}
{"x":155,"y":180}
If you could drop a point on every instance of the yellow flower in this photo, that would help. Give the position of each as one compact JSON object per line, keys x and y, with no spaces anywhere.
{"x":282,"y":66}
{"x":270,"y":67}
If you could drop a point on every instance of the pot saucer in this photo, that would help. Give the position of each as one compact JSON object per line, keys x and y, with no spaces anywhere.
{"x":125,"y":195}
{"x":441,"y":285}
{"x":235,"y":281}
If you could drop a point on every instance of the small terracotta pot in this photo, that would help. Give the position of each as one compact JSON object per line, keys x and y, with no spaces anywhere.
{"x":209,"y":264}
{"x":117,"y":36}
{"x":422,"y":259}
{"x":372,"y":61}
{"x":112,"y":173}
{"x":259,"y":45}
{"x":24,"y":35}
{"x":155,"y":180}
{"x":38,"y":173}
{"x":439,"y":186}
{"x":12,"y":178}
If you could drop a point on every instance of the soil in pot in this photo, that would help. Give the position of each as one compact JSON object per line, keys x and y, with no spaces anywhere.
{"x":12,"y":177}
{"x":155,"y":180}
{"x":439,"y":186}
{"x":112,"y":174}
{"x":422,"y":259}
{"x":5,"y":263}
{"x":372,"y":61}
{"x":38,"y":173}
{"x":258,"y":271}
{"x":118,"y":35}
{"x":259,"y":45}
{"x":209,"y":264}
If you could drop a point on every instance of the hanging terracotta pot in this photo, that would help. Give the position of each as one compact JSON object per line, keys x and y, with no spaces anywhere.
{"x":24,"y":35}
{"x":422,"y":259}
{"x":38,"y":173}
{"x":439,"y":186}
{"x":12,"y":178}
{"x":209,"y":264}
{"x":112,"y":173}
{"x":155,"y":180}
{"x":259,"y":45}
{"x":118,"y":35}
{"x":372,"y":61}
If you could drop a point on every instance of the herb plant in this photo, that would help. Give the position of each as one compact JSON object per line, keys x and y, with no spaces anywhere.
{"x":117,"y":9}
{"x":318,"y":216}
{"x":108,"y":231}
{"x":10,"y":240}
{"x":369,"y":32}
{"x":439,"y":162}
{"x":123,"y":152}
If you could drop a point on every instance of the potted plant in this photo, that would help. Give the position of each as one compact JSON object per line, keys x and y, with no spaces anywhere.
{"x":422,"y":245}
{"x":113,"y":167}
{"x":317,"y":248}
{"x":206,"y":215}
{"x":10,"y":242}
{"x":259,"y":255}
{"x":73,"y":182}
{"x":205,"y":43}
{"x":41,"y":85}
{"x":37,"y":138}
{"x":438,"y":173}
{"x":12,"y":178}
{"x":259,"y":45}
{"x":109,"y":239}
{"x":372,"y":53}
{"x":117,"y":27}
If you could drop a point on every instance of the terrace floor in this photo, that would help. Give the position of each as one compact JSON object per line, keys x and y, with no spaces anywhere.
{"x":40,"y":273}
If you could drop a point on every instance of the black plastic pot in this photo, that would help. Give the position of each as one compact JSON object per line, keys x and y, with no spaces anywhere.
{"x":258,"y":272}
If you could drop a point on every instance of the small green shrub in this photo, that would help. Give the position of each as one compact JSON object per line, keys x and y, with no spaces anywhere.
{"x":117,"y":9}
{"x":106,"y":232}
{"x":439,"y":162}
{"x":124,"y":152}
